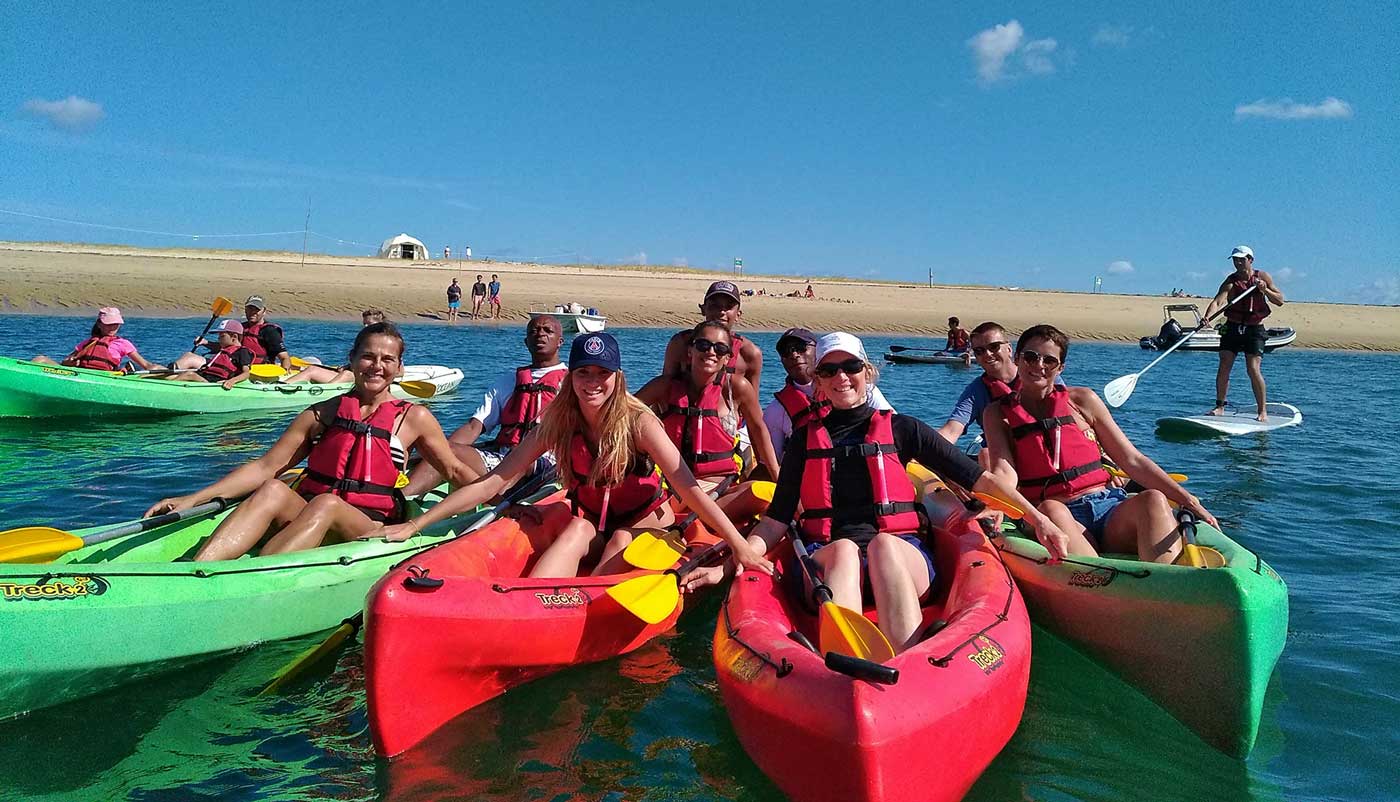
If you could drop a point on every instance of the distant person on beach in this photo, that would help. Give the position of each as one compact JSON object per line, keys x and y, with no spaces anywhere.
{"x":263,"y":338}
{"x":454,"y":300}
{"x":371,"y":316}
{"x":446,"y":253}
{"x":1244,"y":327}
{"x":796,"y":404}
{"x":514,"y":402}
{"x":103,"y":349}
{"x":230,"y":364}
{"x":493,"y":291}
{"x":809,"y":293}
{"x":478,"y":296}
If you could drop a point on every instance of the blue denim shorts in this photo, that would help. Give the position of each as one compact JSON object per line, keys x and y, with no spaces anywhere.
{"x":1093,"y":510}
{"x":866,"y":590}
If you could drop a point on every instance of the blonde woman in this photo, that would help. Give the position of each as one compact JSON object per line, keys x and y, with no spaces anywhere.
{"x":612,"y":453}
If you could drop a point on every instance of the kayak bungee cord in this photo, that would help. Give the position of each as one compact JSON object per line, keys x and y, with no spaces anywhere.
{"x":1001,"y":618}
{"x":782,"y":669}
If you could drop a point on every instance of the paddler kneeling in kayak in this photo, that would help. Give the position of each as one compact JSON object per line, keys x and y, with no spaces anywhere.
{"x":847,"y":470}
{"x":616,"y":452}
{"x":355,"y":446}
{"x":1052,"y":435}
{"x":103,"y":349}
{"x":700,"y":410}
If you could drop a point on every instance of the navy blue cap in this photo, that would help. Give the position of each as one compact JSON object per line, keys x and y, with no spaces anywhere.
{"x":599,"y":349}
{"x":723,"y":288}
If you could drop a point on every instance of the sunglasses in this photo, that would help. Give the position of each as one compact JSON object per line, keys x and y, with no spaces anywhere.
{"x":793,"y":347}
{"x":989,"y":348}
{"x":850,"y":367}
{"x":705,"y":346}
{"x":1032,"y":358}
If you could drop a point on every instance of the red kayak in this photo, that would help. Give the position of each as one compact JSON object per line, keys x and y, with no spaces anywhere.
{"x":823,"y":735}
{"x":460,"y":624}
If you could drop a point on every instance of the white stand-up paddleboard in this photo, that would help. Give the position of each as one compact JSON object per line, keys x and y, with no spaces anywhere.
{"x":1234,"y":421}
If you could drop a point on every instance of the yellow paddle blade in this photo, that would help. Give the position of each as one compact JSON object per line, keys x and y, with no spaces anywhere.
{"x":221,"y":306}
{"x":1207,"y":556}
{"x":921,"y":477}
{"x":999,"y":504}
{"x":651,"y":598}
{"x":265,"y":373}
{"x":1179,"y":478}
{"x":298,"y":362}
{"x":850,"y":633}
{"x":419,"y":389}
{"x":307,"y":658}
{"x":651,"y":551}
{"x":763,"y":490}
{"x":36,"y":544}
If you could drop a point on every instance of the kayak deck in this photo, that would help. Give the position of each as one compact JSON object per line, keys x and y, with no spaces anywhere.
{"x":133,"y":607}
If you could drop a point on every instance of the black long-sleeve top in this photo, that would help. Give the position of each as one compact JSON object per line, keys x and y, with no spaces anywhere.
{"x":850,"y":485}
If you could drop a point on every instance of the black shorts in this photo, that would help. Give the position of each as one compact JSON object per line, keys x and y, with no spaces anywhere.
{"x":1241,"y":338}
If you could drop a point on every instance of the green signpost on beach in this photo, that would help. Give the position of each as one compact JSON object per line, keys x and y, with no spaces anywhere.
{"x":738,"y":265}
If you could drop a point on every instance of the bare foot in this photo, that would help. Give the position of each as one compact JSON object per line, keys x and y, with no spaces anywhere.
{"x":1263,"y":417}
{"x":1218,"y":411}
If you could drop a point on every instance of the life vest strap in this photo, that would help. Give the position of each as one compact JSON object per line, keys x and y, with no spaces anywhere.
{"x":856,"y":450}
{"x":1063,"y":476}
{"x":350,"y":485}
{"x":693,"y":412}
{"x":863,"y":510}
{"x":361,"y":427}
{"x":1039,"y":426}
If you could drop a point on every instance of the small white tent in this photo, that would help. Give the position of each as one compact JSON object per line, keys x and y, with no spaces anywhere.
{"x":403,"y":247}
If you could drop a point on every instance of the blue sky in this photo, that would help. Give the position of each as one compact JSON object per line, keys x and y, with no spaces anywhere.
{"x":1003,"y":143}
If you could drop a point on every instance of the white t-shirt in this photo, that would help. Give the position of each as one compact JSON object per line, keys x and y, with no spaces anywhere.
{"x":500,"y":391}
{"x":780,"y":423}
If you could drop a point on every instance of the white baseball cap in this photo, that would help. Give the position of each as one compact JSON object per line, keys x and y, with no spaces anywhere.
{"x":1241,"y":251}
{"x":841,"y":341}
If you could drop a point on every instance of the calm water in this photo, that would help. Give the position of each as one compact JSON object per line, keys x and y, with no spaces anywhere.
{"x":1312,"y":500}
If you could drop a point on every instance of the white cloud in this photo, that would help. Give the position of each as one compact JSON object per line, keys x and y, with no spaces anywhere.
{"x":1329,"y":108}
{"x":1384,"y":291}
{"x":1121,"y":267}
{"x":73,"y":113}
{"x":990,"y":49}
{"x":1288,"y":274}
{"x":1112,"y":36}
{"x":1037,"y":56}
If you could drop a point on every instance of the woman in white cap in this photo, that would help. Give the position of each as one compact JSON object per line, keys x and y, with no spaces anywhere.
{"x":612,"y":454}
{"x":103,"y":349}
{"x":858,"y":512}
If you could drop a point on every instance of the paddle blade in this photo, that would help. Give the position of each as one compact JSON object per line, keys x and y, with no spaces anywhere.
{"x":311,"y":656}
{"x":651,"y":598}
{"x":265,"y":372}
{"x":651,"y":552}
{"x":36,"y":544}
{"x":850,"y":633}
{"x":1209,"y":557}
{"x":999,"y":504}
{"x":221,"y":306}
{"x":419,"y":389}
{"x":1118,"y":390}
{"x":763,"y":490}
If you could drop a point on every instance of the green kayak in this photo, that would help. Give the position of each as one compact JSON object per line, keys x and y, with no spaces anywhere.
{"x":33,"y":390}
{"x":129,"y":608}
{"x":1200,"y":642}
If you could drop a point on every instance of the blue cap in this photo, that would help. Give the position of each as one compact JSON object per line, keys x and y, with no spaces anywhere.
{"x":599,"y":349}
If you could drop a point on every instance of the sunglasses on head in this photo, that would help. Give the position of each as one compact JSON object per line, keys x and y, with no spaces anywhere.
{"x":705,"y":346}
{"x":850,"y":367}
{"x":1032,"y":358}
{"x":989,"y":348}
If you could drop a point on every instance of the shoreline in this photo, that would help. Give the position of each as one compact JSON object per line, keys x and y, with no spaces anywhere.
{"x":74,"y":279}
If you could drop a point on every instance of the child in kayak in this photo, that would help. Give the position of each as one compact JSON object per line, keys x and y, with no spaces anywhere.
{"x":700,"y":411}
{"x":1051,"y":437}
{"x":355,"y":446}
{"x":229,"y":364}
{"x":847,"y":470}
{"x":103,"y":349}
{"x":613,"y":452}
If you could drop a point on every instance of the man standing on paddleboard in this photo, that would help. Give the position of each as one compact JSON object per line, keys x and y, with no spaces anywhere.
{"x":1244,"y":326}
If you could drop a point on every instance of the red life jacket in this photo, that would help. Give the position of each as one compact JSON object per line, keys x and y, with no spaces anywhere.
{"x":529,"y":398}
{"x":352,"y":458}
{"x":95,"y":353}
{"x":697,"y":429}
{"x":1053,"y":456}
{"x":222,"y":366}
{"x":640,"y":494}
{"x":738,"y":343}
{"x":799,"y":406}
{"x":997,"y":389}
{"x":957,"y":340}
{"x":1252,"y":310}
{"x":893,"y":509}
{"x":252,"y":343}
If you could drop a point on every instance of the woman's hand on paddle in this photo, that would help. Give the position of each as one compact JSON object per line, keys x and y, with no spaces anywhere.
{"x":1193,"y":506}
{"x":165,"y":505}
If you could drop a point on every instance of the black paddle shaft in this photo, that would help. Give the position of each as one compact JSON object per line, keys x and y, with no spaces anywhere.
{"x":820,"y":592}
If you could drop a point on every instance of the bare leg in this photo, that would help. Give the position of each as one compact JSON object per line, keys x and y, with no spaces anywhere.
{"x":189,"y":359}
{"x":425,"y":477}
{"x":1222,"y":381}
{"x":898,"y":576}
{"x":320,"y":374}
{"x":1254,"y":365}
{"x":1144,"y":525}
{"x":562,"y":558}
{"x":325,"y":516}
{"x":611,"y":561}
{"x":840,"y":564}
{"x":1079,"y":544}
{"x":43,"y":360}
{"x":271,"y":506}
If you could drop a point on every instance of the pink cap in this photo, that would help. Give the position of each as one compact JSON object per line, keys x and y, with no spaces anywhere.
{"x":227,"y":325}
{"x":109,"y":314}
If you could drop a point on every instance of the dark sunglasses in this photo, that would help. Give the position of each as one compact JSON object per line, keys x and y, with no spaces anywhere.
{"x":793,"y":347}
{"x":1032,"y":358}
{"x":850,"y":367}
{"x":705,"y":346}
{"x":989,"y":348}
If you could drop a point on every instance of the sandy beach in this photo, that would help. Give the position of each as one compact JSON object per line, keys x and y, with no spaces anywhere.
{"x":75,"y":279}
